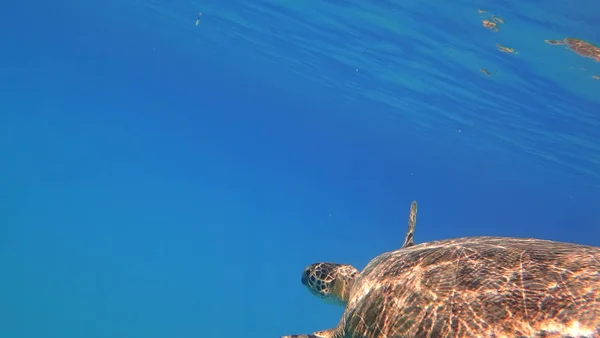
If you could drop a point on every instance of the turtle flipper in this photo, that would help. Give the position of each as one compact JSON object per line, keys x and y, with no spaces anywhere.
{"x":330,"y":333}
{"x":412,"y":222}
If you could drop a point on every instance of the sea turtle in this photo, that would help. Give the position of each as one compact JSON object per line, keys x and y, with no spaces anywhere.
{"x":465,"y":287}
{"x":579,"y":46}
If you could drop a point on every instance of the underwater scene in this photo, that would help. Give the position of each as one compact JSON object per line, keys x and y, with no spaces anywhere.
{"x":175,"y":169}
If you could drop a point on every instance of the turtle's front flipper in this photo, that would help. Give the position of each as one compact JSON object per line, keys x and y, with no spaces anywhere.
{"x":319,"y":334}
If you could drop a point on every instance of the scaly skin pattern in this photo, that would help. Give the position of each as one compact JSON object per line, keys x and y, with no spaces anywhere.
{"x":477,"y":287}
{"x":330,"y":281}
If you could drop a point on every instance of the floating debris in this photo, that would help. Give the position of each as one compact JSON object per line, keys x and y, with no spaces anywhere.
{"x":595,"y":77}
{"x":198,"y":18}
{"x":485,"y":72}
{"x":490,"y":25}
{"x":497,"y":19}
{"x":506,"y":49}
{"x":579,"y":46}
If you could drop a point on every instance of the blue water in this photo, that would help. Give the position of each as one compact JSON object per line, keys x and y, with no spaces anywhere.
{"x":164,"y":179}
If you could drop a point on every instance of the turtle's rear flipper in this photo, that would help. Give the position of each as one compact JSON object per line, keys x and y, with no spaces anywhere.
{"x":412,"y":222}
{"x":319,"y":334}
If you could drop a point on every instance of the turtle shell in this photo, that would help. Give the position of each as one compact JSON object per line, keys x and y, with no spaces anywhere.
{"x":478,"y":287}
{"x":583,"y":48}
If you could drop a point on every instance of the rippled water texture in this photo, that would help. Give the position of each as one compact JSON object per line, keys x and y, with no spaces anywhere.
{"x":436,"y":66}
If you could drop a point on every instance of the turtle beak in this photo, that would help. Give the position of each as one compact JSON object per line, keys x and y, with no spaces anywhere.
{"x":305,"y":278}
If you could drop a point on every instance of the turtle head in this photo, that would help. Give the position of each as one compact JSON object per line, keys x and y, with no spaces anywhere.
{"x":330,"y":281}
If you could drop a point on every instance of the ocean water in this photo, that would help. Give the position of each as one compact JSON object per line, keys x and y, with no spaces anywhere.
{"x":160,"y":178}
